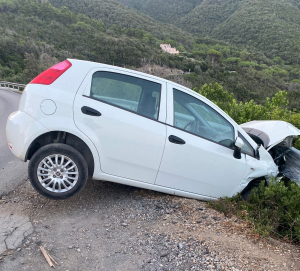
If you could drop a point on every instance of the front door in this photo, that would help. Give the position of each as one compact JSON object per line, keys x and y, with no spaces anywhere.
{"x":127,"y":134}
{"x":198,"y":156}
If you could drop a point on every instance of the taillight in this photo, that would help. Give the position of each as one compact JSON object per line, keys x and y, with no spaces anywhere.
{"x":49,"y":76}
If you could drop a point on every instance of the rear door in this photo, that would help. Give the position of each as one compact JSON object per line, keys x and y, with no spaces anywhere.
{"x":121,"y":112}
{"x":198,"y":156}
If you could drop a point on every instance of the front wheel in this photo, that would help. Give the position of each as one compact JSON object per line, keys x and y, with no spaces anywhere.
{"x":58,"y":171}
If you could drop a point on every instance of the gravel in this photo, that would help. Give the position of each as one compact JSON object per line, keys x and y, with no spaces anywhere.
{"x":115,"y":227}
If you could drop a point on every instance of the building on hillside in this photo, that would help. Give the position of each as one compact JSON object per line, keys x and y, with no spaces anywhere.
{"x":168,"y":49}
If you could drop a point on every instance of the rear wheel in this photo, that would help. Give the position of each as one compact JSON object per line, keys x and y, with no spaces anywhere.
{"x":58,"y":171}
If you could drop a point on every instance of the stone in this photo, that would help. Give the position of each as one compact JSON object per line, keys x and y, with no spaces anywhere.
{"x":164,"y":254}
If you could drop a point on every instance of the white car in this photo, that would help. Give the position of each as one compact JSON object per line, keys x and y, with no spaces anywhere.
{"x":81,"y":119}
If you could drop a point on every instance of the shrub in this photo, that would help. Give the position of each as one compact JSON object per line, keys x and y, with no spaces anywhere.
{"x":274,"y":211}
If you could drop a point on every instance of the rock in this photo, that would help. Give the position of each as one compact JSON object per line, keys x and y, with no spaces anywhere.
{"x":199,"y":221}
{"x":124,"y":224}
{"x":204,"y":216}
{"x":70,"y":247}
{"x":19,"y":249}
{"x":164,"y":254}
{"x":78,"y":249}
{"x":216,"y":218}
{"x":180,"y":245}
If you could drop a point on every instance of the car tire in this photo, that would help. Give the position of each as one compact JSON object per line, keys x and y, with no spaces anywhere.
{"x":57,"y":171}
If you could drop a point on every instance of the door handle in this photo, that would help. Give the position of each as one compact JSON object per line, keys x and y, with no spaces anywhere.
{"x":176,"y":140}
{"x":90,"y":111}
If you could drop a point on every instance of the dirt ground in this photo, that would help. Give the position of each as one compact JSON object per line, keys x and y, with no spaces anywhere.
{"x":110,"y":227}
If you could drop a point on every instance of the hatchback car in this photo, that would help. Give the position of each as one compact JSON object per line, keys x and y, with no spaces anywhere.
{"x":81,"y":119}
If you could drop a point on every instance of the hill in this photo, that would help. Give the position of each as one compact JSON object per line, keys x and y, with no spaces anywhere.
{"x":34,"y":36}
{"x":269,"y":26}
{"x":167,"y":11}
{"x":112,"y":12}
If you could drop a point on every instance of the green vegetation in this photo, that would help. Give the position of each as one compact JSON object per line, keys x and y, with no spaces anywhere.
{"x":271,"y":27}
{"x":167,"y":11}
{"x":36,"y":35}
{"x":274,"y":210}
{"x":248,"y":74}
{"x":113,"y":13}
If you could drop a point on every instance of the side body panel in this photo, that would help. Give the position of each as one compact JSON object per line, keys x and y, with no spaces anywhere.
{"x":130,"y":145}
{"x":199,"y":166}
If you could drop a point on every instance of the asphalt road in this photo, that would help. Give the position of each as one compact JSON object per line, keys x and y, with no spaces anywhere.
{"x":12,"y":171}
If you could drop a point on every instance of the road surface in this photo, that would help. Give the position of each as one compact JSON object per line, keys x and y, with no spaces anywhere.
{"x":12,"y":171}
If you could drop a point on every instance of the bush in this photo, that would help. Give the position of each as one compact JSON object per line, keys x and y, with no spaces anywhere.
{"x":274,"y":211}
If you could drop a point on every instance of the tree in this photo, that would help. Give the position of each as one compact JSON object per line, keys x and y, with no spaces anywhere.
{"x":278,"y":60}
{"x":214,"y":56}
{"x":244,"y":55}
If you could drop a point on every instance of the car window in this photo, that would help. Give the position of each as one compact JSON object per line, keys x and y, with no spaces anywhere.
{"x":128,"y":92}
{"x":181,"y":117}
{"x":196,"y":117}
{"x":247,"y":148}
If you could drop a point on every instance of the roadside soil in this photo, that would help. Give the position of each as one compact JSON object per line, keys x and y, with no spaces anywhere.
{"x":110,"y":227}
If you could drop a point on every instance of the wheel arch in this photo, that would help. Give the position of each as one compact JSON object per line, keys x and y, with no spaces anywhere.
{"x":254,"y":183}
{"x":65,"y":138}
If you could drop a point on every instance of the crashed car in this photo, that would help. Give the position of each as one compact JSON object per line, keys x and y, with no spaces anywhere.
{"x":81,"y":119}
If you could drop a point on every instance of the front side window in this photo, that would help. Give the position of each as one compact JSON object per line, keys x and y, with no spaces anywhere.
{"x":196,"y":117}
{"x":247,"y":148}
{"x":127,"y":92}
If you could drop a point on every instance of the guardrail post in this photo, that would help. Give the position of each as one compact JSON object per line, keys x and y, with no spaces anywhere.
{"x":13,"y":86}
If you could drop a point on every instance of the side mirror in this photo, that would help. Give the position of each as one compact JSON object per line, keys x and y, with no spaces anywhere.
{"x":238,"y":145}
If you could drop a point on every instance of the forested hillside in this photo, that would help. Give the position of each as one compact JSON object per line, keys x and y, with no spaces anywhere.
{"x":167,"y":11}
{"x":112,"y":12}
{"x":34,"y":36}
{"x":270,"y":26}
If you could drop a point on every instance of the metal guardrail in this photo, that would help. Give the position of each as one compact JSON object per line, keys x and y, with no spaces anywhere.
{"x":13,"y":86}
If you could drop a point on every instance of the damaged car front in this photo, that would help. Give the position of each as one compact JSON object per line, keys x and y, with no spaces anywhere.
{"x":276,"y":138}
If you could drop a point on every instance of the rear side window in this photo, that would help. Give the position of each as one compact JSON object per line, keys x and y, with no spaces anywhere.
{"x":127,"y":92}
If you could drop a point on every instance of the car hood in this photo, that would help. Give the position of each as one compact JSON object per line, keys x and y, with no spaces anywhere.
{"x":271,"y":132}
